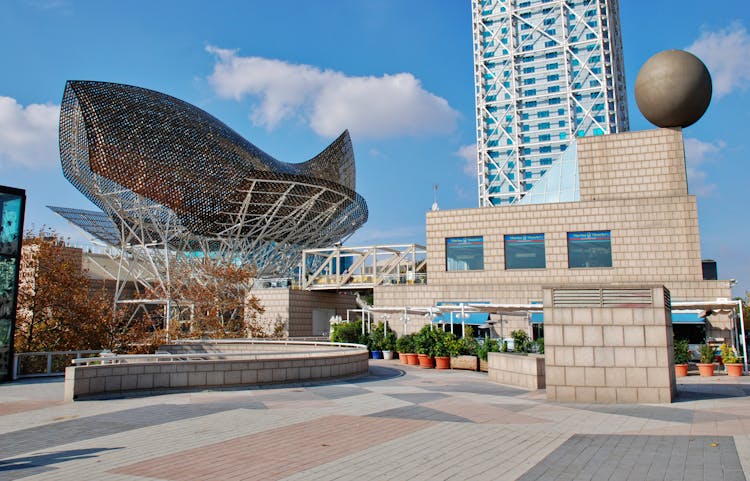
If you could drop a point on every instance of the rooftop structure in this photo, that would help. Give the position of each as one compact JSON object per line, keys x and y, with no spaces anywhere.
{"x":174,"y":183}
{"x":546,"y":72}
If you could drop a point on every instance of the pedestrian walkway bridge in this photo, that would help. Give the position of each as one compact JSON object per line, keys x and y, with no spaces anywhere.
{"x":340,"y":267}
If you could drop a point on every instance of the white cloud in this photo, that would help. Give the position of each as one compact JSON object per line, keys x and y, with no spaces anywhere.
{"x":726,"y":53}
{"x":28,"y":135}
{"x":330,"y":101}
{"x":469,"y":154}
{"x":698,"y":153}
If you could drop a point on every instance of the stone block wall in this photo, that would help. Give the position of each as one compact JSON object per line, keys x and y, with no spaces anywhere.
{"x":652,"y":219}
{"x":296,"y":307}
{"x":527,"y":372}
{"x":616,"y":353}
{"x":86,"y":381}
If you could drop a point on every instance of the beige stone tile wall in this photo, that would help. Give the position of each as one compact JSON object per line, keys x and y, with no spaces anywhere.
{"x":516,"y":369}
{"x":649,"y":163}
{"x":653,"y":239}
{"x":632,"y":184}
{"x":296,"y":307}
{"x":609,"y":354}
{"x":83,"y":381}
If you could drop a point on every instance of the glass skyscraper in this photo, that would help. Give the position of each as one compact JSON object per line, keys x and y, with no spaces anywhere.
{"x":546,"y":72}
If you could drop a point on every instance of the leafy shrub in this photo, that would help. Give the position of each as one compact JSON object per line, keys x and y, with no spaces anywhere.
{"x":681,"y":351}
{"x":521,"y":341}
{"x":347,"y":332}
{"x":405,"y":343}
{"x":466,"y":346}
{"x":707,"y":353}
{"x":423,"y":341}
{"x":382,"y":340}
{"x":489,"y":345}
{"x":727,"y":355}
{"x":540,"y":345}
{"x":443,"y":343}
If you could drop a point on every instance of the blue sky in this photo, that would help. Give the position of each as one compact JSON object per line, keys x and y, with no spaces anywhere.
{"x":290,"y":76}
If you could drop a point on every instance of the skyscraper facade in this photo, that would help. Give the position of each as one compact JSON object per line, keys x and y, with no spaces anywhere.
{"x":546,"y":72}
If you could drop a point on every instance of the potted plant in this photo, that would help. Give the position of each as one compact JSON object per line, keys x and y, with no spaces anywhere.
{"x":442,"y":348}
{"x":681,"y":355}
{"x":424,"y":342}
{"x":464,"y":353}
{"x":375,"y":341}
{"x":388,"y":344}
{"x":706,"y":366}
{"x":405,"y":346}
{"x":731,"y":361}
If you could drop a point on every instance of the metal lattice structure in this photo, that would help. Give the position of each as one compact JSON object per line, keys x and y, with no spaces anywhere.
{"x":546,"y":72}
{"x":178,"y":184}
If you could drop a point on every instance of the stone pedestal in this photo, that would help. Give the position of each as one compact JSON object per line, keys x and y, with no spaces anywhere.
{"x":608,"y":344}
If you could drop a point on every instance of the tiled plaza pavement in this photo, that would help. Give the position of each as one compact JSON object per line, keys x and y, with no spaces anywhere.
{"x":397,"y":423}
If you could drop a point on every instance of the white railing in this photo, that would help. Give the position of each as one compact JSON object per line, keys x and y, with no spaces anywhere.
{"x":108,"y":358}
{"x":47,"y":363}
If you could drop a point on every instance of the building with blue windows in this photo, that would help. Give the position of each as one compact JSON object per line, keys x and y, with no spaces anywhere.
{"x":546,"y":72}
{"x":592,"y":220}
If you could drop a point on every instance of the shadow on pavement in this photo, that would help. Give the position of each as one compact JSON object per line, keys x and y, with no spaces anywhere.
{"x":697,"y":392}
{"x":378,"y":373}
{"x":38,"y":463}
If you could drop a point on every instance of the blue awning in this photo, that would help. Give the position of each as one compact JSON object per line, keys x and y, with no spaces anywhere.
{"x":537,"y":317}
{"x":474,"y":318}
{"x":677,"y":318}
{"x":687,"y":318}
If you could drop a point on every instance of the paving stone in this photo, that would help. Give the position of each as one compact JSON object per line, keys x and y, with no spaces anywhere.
{"x":419,"y":412}
{"x":645,"y":458}
{"x":394,"y":423}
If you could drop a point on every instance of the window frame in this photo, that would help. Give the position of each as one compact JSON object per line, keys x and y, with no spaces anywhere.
{"x":524,"y":238}
{"x":590,"y":233}
{"x":471,"y":239}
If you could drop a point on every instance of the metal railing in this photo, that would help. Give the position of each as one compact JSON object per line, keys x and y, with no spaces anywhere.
{"x":109,"y":358}
{"x":45,"y":364}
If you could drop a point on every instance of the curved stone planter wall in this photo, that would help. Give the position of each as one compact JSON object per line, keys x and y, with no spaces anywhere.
{"x":214,"y":365}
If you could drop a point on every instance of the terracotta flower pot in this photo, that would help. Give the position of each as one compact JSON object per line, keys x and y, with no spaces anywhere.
{"x":706,"y":370}
{"x":680,"y":370}
{"x":402,"y":358}
{"x":734,"y":370}
{"x":426,"y":361}
{"x":411,"y":359}
{"x":442,"y":362}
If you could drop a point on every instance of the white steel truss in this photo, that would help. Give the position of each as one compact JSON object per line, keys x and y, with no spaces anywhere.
{"x":342,"y":267}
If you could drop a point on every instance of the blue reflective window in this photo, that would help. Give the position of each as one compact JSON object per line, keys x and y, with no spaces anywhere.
{"x":525,"y":251}
{"x":589,"y":249}
{"x":464,"y":253}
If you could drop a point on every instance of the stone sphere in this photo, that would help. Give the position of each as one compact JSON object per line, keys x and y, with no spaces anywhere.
{"x":673,"y":89}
